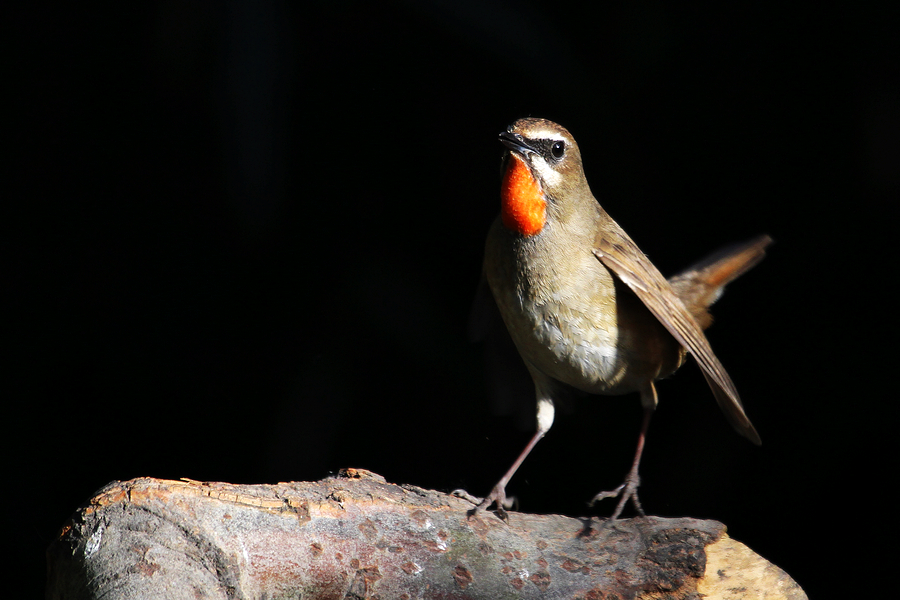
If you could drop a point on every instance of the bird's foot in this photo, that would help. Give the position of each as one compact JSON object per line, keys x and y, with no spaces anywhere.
{"x":497,"y":497}
{"x":626,"y":491}
{"x":461,"y":493}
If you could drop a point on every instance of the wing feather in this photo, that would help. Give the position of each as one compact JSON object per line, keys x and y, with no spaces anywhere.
{"x":629,"y":264}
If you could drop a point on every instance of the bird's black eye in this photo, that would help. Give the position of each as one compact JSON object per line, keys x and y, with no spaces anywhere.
{"x":558,"y":149}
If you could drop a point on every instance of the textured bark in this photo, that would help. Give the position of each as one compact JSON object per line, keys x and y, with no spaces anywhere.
{"x":356,"y":536}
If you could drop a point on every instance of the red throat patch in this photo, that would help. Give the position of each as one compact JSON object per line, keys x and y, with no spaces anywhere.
{"x":523,"y":207}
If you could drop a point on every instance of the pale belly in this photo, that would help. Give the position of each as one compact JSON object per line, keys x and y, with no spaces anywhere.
{"x":574,"y":335}
{"x":581,"y":350}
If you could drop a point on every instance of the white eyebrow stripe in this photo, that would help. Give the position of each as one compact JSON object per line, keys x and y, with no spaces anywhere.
{"x":549,"y":135}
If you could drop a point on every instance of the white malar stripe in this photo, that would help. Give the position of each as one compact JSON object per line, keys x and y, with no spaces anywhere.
{"x":545,"y":171}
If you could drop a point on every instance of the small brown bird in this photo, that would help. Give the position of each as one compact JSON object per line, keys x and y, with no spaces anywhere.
{"x":584,"y":306}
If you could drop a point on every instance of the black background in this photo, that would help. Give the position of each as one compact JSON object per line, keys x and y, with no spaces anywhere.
{"x":244,"y":242}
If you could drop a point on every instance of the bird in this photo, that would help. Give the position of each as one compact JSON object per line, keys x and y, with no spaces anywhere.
{"x":584,"y":306}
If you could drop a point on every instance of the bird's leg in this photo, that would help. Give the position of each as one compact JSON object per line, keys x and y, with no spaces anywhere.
{"x":498,"y":494}
{"x":628,"y":489}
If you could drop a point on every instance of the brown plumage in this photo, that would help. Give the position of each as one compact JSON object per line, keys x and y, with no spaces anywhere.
{"x":583,"y":305}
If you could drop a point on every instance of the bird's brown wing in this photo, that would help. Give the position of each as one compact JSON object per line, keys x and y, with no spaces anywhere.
{"x":622,"y":256}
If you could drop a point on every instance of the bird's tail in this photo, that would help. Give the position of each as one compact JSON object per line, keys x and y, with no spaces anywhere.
{"x":702,"y":284}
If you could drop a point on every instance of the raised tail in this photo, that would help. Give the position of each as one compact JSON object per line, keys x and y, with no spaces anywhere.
{"x":700,"y":286}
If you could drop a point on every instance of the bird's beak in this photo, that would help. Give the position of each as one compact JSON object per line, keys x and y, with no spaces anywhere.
{"x":516,"y":143}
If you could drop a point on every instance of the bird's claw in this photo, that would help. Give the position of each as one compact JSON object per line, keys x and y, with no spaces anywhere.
{"x":461,"y":493}
{"x":609,"y":494}
{"x":496,"y":497}
{"x":626,"y":491}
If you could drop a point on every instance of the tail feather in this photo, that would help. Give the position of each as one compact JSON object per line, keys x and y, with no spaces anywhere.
{"x":700,"y":286}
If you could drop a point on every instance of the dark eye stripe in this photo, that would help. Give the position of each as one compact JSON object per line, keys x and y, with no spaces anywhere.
{"x":552,"y":150}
